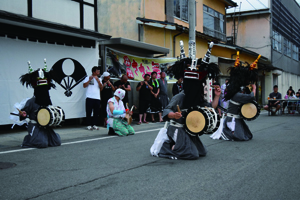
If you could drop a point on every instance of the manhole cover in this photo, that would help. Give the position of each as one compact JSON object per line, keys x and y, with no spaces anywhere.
{"x":5,"y":165}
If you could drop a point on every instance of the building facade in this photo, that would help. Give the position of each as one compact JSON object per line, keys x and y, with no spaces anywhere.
{"x":64,"y":32}
{"x":274,"y":33}
{"x":164,"y":23}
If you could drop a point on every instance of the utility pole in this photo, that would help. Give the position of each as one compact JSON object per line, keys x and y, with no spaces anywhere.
{"x":192,"y":33}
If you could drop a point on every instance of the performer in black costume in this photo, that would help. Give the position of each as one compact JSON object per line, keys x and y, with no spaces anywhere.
{"x":177,"y":143}
{"x":39,"y":137}
{"x":234,"y":126}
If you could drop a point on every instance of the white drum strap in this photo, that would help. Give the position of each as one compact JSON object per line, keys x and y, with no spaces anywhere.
{"x":234,"y":116}
{"x":176,"y":124}
{"x":236,"y":103}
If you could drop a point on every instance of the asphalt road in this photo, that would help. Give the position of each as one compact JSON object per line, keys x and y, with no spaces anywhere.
{"x":266,"y":167}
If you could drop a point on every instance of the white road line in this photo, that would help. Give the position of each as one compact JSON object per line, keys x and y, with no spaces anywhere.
{"x":76,"y":142}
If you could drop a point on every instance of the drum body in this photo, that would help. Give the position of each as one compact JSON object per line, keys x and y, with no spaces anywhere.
{"x":201,"y":120}
{"x":250,"y":111}
{"x":50,"y":116}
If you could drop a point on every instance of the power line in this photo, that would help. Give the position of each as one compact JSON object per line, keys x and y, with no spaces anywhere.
{"x":262,"y":4}
{"x":251,"y":4}
{"x":257,"y":10}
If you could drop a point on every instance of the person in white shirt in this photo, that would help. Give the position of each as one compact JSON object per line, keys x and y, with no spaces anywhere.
{"x":92,"y":102}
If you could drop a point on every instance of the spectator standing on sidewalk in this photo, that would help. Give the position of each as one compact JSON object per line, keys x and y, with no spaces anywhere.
{"x":144,"y":89}
{"x":177,"y":87}
{"x":223,"y":89}
{"x":155,"y":104}
{"x":163,"y":95}
{"x":92,"y":102}
{"x":106,"y":93}
{"x":125,"y":85}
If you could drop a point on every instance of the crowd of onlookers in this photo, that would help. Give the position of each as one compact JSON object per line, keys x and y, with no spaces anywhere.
{"x":153,"y":96}
{"x":292,"y":106}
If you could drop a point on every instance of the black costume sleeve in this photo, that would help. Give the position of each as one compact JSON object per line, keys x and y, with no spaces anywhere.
{"x":27,"y":108}
{"x":172,"y":106}
{"x":243,"y":98}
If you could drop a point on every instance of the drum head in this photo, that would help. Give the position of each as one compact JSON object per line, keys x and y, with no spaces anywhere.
{"x":43,"y":117}
{"x":249,"y":110}
{"x":195,"y":121}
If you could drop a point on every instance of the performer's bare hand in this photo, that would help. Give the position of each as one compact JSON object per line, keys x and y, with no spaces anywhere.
{"x":155,"y":95}
{"x":142,"y":83}
{"x":146,"y":82}
{"x":177,"y":115}
{"x":91,"y":77}
{"x":123,"y":86}
{"x":218,"y":91}
{"x":130,"y":113}
{"x":119,"y":86}
{"x":24,"y":114}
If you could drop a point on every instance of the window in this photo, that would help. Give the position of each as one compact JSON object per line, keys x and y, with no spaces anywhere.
{"x":276,"y":41}
{"x":88,"y":14}
{"x":181,"y":9}
{"x":295,"y":52}
{"x":286,"y":47}
{"x":213,"y":23}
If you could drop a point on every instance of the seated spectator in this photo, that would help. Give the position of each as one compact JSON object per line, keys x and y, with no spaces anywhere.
{"x":125,"y":85}
{"x":297,"y":104}
{"x":106,"y":93}
{"x":177,"y":87}
{"x":144,"y":88}
{"x":290,"y":105}
{"x":275,"y":104}
{"x":116,"y":113}
{"x":291,"y":88}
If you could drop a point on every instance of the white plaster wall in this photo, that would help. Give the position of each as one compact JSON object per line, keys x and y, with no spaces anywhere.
{"x":286,"y":80}
{"x":14,"y":55}
{"x":14,"y":6}
{"x":60,"y":11}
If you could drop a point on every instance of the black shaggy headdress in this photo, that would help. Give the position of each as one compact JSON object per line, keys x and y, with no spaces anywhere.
{"x":194,"y":72}
{"x":41,"y":81}
{"x":241,"y":75}
{"x":186,"y":67}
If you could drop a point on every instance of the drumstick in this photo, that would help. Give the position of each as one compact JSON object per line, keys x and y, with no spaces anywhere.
{"x":178,"y":109}
{"x":21,"y":113}
{"x":214,"y":86}
{"x":127,"y":105}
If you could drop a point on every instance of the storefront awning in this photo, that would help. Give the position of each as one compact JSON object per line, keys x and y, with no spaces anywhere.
{"x":134,"y":47}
